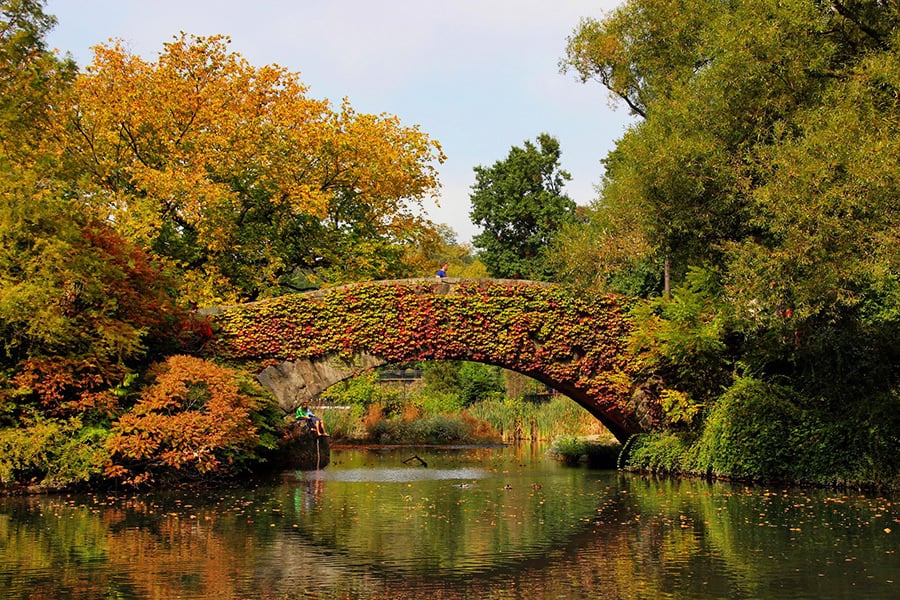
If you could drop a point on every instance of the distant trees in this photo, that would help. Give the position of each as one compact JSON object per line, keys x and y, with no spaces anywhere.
{"x":520,"y":206}
{"x":443,"y":247}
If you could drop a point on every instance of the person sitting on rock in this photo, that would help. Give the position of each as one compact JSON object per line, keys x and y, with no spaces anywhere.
{"x":315,"y":423}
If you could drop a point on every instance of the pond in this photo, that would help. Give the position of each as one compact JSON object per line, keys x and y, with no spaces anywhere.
{"x":500,"y":522}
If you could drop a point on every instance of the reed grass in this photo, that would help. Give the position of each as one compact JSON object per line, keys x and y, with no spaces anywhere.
{"x":423,"y":415}
{"x":520,"y":420}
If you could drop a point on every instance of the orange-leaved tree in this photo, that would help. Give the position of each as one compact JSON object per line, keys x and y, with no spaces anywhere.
{"x":195,"y":418}
{"x":237,"y":177}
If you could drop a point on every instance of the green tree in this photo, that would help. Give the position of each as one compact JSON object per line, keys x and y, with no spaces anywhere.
{"x":470,"y":381}
{"x":478,"y":382}
{"x":520,"y":206}
{"x":31,"y":79}
{"x":766,"y":157}
{"x":441,"y":376}
{"x":671,"y":193}
{"x":642,"y":50}
{"x":724,"y":91}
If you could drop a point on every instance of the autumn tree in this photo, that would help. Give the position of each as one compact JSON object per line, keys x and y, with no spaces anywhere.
{"x":133,"y":187}
{"x":520,"y":206}
{"x":81,"y":310}
{"x":79,"y":305}
{"x":194,"y":419}
{"x":237,"y":177}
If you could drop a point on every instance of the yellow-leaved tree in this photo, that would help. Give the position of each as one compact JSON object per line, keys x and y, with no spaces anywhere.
{"x":244,"y":184}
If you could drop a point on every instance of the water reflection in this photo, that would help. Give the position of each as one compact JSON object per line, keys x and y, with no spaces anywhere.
{"x":394,"y":475}
{"x":474,"y":523}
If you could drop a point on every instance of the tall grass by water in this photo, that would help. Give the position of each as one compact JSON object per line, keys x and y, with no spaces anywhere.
{"x":493,"y":420}
{"x":521,"y":420}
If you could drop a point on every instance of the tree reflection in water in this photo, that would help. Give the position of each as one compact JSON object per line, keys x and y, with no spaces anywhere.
{"x":476,"y":523}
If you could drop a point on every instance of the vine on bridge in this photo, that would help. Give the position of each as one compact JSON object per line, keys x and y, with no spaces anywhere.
{"x":536,"y":329}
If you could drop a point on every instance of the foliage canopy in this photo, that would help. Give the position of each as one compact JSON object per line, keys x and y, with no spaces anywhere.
{"x":133,"y":190}
{"x":245,"y":184}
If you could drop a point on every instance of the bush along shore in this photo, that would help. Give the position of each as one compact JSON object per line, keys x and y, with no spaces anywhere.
{"x":756,"y":433}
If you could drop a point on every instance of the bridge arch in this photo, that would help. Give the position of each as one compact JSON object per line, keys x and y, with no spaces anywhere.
{"x":301,"y":344}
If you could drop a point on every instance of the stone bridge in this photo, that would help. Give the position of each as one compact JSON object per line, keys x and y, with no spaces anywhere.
{"x":301,"y":344}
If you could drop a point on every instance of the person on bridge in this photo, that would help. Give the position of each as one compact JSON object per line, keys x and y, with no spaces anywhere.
{"x":442,"y":272}
{"x":314,"y":422}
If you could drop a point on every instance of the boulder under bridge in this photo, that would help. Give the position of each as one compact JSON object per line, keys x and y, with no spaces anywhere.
{"x":301,"y":344}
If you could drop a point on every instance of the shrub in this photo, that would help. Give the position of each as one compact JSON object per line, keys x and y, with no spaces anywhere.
{"x":755,"y":431}
{"x":758,"y":432}
{"x":52,"y":452}
{"x":659,"y":452}
{"x":384,"y":431}
{"x":569,"y":449}
{"x":752,"y":432}
{"x":195,"y":419}
{"x":442,"y":429}
{"x":601,"y":454}
{"x":857,"y":447}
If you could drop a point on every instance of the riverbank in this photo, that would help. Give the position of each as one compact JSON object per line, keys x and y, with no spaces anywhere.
{"x":681,"y":455}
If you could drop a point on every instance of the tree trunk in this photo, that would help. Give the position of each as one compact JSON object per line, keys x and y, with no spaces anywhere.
{"x":667,"y":279}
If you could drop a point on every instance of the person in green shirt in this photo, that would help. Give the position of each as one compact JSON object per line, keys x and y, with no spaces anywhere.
{"x":315,"y":423}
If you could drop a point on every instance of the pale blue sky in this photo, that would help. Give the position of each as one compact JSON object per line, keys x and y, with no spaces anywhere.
{"x":480,"y":76}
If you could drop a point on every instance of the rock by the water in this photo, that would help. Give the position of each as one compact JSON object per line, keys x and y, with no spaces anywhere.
{"x":300,"y":448}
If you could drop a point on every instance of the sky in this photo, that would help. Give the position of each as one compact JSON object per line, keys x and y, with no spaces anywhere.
{"x":479,"y":76}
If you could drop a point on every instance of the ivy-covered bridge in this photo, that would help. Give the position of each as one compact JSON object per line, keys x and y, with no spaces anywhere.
{"x":304,"y":343}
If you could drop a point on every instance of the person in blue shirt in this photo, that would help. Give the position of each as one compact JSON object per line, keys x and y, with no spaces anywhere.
{"x":315,"y":423}
{"x":442,"y":272}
